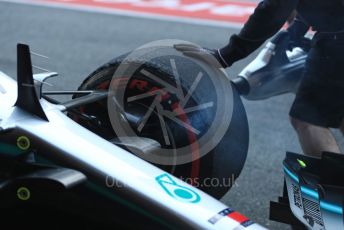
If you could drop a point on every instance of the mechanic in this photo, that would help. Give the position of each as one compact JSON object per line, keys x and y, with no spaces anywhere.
{"x":319,"y":102}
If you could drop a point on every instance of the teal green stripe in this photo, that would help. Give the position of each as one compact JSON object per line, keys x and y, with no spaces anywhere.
{"x":310,"y":192}
{"x":131,"y":205}
{"x":331,"y":207}
{"x":291,"y":175}
{"x":11,"y":150}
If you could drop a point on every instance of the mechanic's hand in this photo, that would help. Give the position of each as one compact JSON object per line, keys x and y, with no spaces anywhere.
{"x":210,"y":56}
{"x":304,"y":43}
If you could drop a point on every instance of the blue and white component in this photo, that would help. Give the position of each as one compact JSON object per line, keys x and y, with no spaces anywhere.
{"x":315,"y":211}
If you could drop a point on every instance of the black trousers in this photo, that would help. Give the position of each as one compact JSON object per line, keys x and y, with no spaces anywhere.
{"x":320,"y":97}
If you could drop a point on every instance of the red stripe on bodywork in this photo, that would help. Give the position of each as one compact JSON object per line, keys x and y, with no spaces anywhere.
{"x":238,"y":217}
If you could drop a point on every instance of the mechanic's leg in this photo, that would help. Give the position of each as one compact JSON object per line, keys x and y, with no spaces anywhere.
{"x":314,"y":139}
{"x":341,"y":128}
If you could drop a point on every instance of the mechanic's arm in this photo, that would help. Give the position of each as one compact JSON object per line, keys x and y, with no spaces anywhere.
{"x":267,"y":19}
{"x":297,"y":30}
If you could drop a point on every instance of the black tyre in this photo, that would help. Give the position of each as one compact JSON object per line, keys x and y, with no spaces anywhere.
{"x":222,"y":165}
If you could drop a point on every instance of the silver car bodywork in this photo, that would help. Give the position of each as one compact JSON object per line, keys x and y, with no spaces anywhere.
{"x":63,"y":141}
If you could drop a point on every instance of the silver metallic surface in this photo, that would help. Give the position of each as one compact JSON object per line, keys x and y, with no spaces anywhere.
{"x":39,"y":80}
{"x":99,"y":159}
{"x":268,"y":77}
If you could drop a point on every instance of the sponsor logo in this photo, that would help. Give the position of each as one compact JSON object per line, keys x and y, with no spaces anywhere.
{"x":230,"y":213}
{"x":178,"y":192}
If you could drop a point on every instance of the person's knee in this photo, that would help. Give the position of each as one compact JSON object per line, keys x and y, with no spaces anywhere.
{"x":298,"y":124}
{"x":342,"y":127}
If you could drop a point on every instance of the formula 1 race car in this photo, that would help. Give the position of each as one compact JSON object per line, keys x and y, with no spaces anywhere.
{"x":131,"y":148}
{"x":55,"y":172}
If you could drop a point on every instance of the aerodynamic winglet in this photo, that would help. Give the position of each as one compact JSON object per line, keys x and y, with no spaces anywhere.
{"x":27,"y":96}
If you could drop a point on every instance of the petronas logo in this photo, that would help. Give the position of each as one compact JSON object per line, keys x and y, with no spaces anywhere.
{"x":179,"y":192}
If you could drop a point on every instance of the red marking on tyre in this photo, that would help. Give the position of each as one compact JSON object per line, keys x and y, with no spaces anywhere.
{"x":104,"y":85}
{"x":119,"y":83}
{"x":138,"y":84}
{"x":195,"y":164}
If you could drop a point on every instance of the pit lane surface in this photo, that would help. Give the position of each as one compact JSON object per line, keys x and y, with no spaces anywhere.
{"x":78,"y":42}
